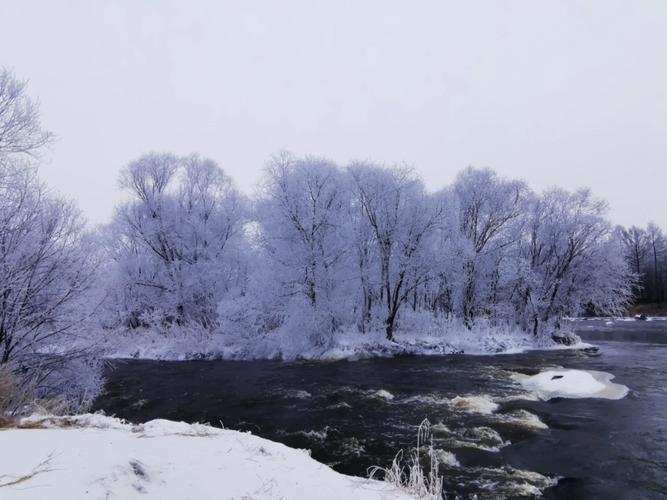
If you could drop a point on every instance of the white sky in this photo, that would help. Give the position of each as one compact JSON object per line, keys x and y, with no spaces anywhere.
{"x":569,"y":93}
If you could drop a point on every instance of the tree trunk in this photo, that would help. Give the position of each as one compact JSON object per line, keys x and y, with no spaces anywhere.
{"x":390,"y":327}
{"x":656,"y":292}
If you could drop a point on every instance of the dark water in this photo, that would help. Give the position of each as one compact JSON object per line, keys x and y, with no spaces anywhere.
{"x":596,"y":448}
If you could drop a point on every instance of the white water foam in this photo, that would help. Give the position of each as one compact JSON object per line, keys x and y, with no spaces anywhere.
{"x":480,"y":438}
{"x":520,"y":418}
{"x":508,"y":482}
{"x":475,"y":404}
{"x":298,"y":394}
{"x":446,"y":458}
{"x":381,"y":394}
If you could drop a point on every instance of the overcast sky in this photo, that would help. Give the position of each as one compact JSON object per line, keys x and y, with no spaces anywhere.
{"x":569,"y":93}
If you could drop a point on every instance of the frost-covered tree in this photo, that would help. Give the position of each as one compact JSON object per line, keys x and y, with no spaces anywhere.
{"x":46,"y":267}
{"x":636,"y":251}
{"x":399,"y":217}
{"x":489,"y":220}
{"x":329,"y":252}
{"x":20,"y":124}
{"x":42,"y":257}
{"x":658,"y":253}
{"x":303,"y":233}
{"x":645,"y":250}
{"x":175,"y":243}
{"x":446,"y":261}
{"x":570,"y":263}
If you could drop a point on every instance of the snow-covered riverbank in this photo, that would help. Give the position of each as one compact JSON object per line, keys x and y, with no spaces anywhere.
{"x":99,"y":457}
{"x":185,"y":345}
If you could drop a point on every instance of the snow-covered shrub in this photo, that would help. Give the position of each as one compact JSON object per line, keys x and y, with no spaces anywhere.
{"x":71,"y":385}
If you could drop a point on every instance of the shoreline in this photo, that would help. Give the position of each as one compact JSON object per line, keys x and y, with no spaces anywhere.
{"x":171,"y":350}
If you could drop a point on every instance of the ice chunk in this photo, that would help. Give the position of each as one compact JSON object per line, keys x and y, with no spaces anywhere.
{"x":565,"y":383}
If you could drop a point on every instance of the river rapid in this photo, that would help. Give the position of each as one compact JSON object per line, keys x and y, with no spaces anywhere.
{"x":494,"y":439}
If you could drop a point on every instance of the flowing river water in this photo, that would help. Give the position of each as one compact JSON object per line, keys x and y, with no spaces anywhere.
{"x":493,"y":440}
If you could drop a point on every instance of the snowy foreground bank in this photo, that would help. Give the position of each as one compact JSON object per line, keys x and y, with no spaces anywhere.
{"x":99,"y":457}
{"x":180,"y":345}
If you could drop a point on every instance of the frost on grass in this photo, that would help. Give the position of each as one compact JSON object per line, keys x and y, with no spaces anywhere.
{"x":94,"y":456}
{"x":412,"y":477}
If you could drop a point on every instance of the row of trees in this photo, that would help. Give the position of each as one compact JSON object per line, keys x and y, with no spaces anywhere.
{"x":646,"y":254}
{"x":324,"y":248}
{"x":319,"y":250}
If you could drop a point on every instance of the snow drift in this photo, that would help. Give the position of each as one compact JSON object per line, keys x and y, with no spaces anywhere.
{"x":93,"y":456}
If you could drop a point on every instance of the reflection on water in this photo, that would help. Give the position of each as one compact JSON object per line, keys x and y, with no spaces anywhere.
{"x":495,"y":442}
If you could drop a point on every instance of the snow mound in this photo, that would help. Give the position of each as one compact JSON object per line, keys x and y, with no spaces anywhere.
{"x":99,"y":457}
{"x":565,"y":383}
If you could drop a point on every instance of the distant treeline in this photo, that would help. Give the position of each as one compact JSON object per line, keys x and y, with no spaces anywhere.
{"x":646,"y":254}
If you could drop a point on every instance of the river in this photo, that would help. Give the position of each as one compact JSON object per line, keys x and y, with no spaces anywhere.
{"x":495,"y":443}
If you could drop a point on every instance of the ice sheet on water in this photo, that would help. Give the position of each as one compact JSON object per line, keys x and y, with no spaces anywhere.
{"x":569,"y":383}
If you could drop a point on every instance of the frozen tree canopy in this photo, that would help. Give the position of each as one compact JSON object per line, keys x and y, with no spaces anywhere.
{"x":20,"y":127}
{"x":174,"y":246}
{"x":323,"y":250}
